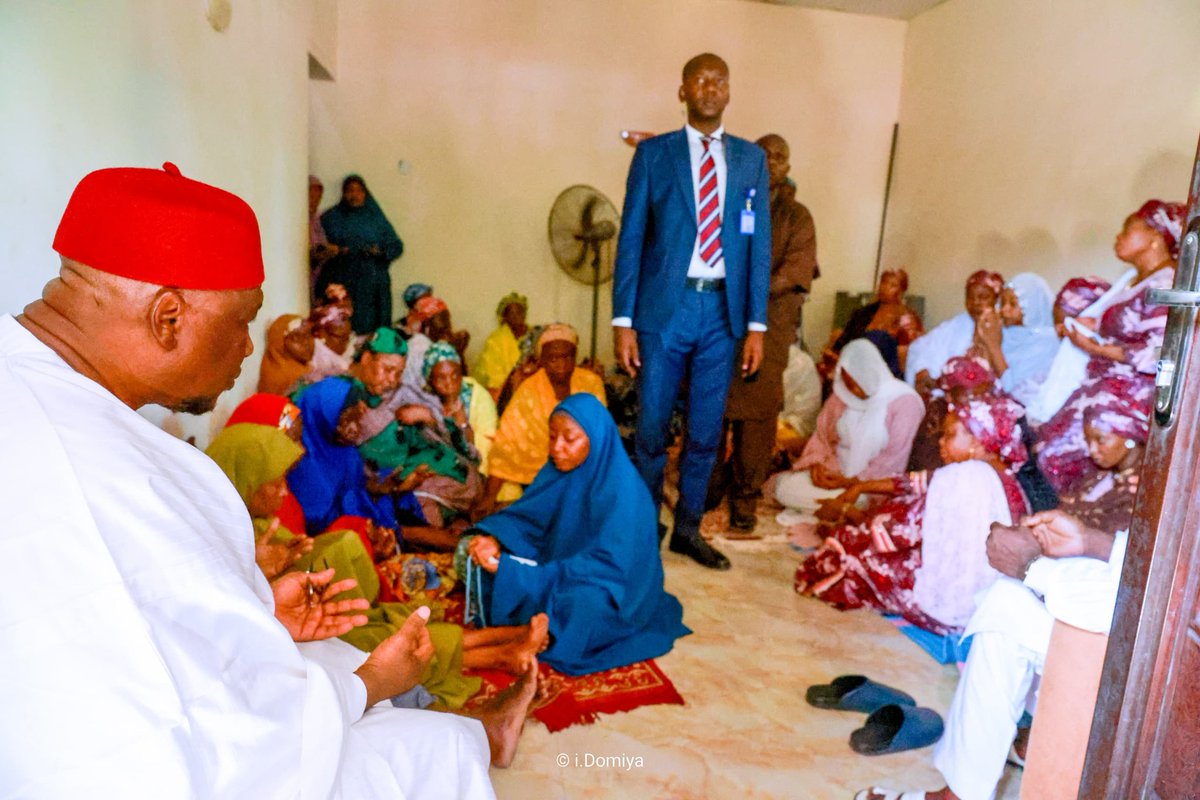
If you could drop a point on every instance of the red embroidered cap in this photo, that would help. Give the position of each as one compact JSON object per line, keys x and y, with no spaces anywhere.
{"x":159,"y":227}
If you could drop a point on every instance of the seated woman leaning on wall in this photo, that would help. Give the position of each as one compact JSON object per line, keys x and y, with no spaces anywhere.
{"x":888,"y":316}
{"x":921,"y":553}
{"x":1122,"y":342}
{"x":581,"y":547}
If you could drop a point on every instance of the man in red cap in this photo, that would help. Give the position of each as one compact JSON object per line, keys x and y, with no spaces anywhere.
{"x":146,"y":654}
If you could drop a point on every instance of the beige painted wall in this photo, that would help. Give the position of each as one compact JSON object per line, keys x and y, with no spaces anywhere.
{"x":1029,"y":130}
{"x":498,"y":106}
{"x":87,"y":85}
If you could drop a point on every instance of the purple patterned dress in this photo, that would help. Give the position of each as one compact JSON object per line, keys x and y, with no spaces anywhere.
{"x":1137,"y":327}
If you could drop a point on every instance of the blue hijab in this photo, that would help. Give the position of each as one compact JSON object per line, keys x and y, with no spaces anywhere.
{"x":330,"y":479}
{"x":593,"y":535}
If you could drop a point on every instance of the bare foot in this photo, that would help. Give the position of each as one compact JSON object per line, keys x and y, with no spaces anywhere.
{"x":504,"y":716}
{"x":539,"y":632}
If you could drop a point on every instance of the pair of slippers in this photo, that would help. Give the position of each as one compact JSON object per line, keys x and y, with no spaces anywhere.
{"x":894,"y":722}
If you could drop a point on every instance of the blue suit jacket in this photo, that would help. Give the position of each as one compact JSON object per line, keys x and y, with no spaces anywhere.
{"x":658,"y":233}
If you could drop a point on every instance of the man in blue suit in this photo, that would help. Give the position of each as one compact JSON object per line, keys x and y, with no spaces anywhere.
{"x":692,"y":273}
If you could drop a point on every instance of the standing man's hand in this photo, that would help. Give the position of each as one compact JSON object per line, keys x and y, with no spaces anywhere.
{"x":752,"y":353}
{"x":625,"y":347}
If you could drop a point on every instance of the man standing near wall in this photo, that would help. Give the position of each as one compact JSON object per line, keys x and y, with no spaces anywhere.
{"x":753,"y":406}
{"x":692,"y":273}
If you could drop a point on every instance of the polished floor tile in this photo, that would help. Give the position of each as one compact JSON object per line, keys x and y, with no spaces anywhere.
{"x":746,"y":731}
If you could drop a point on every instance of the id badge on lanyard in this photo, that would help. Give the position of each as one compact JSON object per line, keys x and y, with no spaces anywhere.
{"x":747,"y":217}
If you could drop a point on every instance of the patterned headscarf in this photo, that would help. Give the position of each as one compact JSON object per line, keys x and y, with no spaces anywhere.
{"x":426,"y":307}
{"x":556,"y":332}
{"x":1079,"y":293}
{"x":1167,"y":219}
{"x":992,"y":280}
{"x":414,"y":292}
{"x":436,"y":354}
{"x":1113,"y":415}
{"x":385,"y":341}
{"x":508,"y":300}
{"x":992,"y":420}
{"x":899,"y":275}
{"x":327,"y":315}
{"x":966,"y":372}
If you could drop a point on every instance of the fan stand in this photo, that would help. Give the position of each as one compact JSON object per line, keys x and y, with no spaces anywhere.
{"x":595,"y":295}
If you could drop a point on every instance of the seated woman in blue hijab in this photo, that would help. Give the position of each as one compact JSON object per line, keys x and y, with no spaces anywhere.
{"x":331,"y":480}
{"x":581,"y":545}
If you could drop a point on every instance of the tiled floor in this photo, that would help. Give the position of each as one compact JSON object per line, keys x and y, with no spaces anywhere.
{"x":746,"y":731}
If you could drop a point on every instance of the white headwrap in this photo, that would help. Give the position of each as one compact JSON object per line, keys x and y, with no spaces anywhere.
{"x":862,"y":428}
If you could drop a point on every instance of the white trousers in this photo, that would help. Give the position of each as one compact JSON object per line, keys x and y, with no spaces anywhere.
{"x":406,"y":753}
{"x":419,"y":755}
{"x":997,"y":686}
{"x":796,"y":490}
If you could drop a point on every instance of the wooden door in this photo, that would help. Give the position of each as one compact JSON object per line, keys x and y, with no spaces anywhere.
{"x":1145,"y":740}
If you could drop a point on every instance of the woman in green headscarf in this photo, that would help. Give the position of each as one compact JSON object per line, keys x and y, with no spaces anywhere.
{"x":257,"y":459}
{"x":502,"y":348}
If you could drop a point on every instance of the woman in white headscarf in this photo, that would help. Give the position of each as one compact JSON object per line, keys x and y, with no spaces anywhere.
{"x":865,"y":431}
{"x":1019,"y":341}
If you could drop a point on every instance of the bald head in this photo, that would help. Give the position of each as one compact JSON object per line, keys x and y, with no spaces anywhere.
{"x":705,"y":91}
{"x":702,"y":61}
{"x":179,"y":348}
{"x":778,"y":159}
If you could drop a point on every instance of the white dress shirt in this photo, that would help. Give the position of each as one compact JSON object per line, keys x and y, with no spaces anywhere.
{"x":698,"y":268}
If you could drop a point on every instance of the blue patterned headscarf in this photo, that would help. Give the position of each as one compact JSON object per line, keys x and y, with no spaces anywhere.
{"x":436,"y":354}
{"x":414,"y":292}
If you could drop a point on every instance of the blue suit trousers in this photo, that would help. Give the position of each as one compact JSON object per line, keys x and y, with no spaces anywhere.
{"x":695,"y":344}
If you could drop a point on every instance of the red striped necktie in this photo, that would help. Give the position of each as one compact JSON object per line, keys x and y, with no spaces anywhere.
{"x":709,"y":208}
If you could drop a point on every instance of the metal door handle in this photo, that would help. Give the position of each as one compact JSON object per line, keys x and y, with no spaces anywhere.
{"x":1183,"y":298}
{"x":1177,"y":341}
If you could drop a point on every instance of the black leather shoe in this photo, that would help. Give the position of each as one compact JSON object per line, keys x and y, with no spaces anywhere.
{"x":741,"y":521}
{"x":699,"y":551}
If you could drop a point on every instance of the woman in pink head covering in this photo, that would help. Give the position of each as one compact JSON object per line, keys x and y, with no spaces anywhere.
{"x":962,"y":377}
{"x":1121,"y":335}
{"x":1116,"y":436}
{"x":921,"y":553}
{"x":954,"y":337}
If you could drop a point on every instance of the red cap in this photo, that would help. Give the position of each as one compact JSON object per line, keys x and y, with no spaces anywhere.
{"x":159,"y":227}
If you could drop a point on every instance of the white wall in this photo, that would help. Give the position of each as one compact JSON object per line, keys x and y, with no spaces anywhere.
{"x":1030,"y":129}
{"x":85,"y":85}
{"x":498,"y":106}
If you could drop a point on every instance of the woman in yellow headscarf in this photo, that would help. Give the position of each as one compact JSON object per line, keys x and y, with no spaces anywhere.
{"x":502,"y":349}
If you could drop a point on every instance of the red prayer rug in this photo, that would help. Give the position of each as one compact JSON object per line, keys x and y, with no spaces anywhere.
{"x":565,"y":700}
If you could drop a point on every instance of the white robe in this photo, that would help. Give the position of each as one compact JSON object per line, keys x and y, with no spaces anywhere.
{"x":140,"y":654}
{"x":1012,"y":635}
{"x":931,"y":351}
